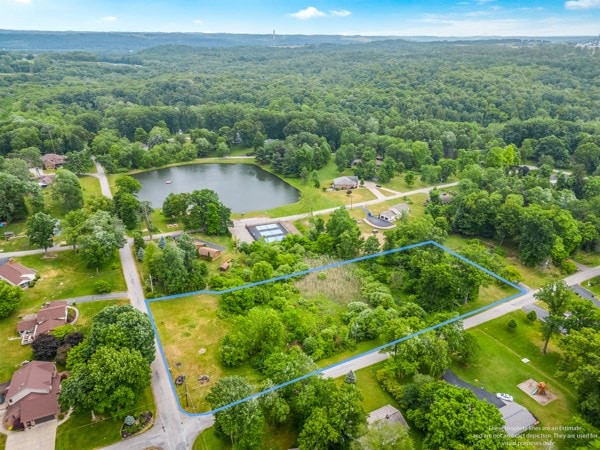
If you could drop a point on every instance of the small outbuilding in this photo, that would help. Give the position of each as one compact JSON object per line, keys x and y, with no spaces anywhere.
{"x":207,"y":252}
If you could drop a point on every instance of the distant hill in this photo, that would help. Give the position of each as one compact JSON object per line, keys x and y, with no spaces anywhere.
{"x":41,"y":41}
{"x":122,"y":42}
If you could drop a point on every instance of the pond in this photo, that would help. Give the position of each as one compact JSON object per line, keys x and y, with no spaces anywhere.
{"x":241,"y":187}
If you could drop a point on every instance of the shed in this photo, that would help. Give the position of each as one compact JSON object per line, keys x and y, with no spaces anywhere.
{"x":208,"y":252}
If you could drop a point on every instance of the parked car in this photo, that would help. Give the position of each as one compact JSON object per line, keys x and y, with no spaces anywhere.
{"x":505,"y":397}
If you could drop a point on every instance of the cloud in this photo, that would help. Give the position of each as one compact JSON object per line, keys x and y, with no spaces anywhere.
{"x":309,"y":13}
{"x":108,"y":19}
{"x":582,"y":4}
{"x":340,"y":12}
{"x":197,"y":22}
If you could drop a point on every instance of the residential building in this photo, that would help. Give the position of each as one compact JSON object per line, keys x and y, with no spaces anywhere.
{"x":349,"y":182}
{"x":53,"y":161}
{"x":32,"y":395}
{"x":51,"y":316}
{"x":16,"y":274}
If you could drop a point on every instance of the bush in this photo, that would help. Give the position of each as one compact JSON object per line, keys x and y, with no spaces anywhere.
{"x":532,"y":315}
{"x":102,"y":287}
{"x":567,"y":267}
{"x":512,"y":325}
{"x":61,"y":332}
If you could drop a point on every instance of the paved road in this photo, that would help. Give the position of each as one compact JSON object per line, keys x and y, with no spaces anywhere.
{"x":96,"y":297}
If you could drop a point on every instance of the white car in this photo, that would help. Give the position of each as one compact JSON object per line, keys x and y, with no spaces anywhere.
{"x":505,"y":397}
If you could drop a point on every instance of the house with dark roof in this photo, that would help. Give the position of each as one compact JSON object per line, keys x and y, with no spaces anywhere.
{"x":16,"y":274}
{"x":349,"y":182}
{"x":32,"y":395}
{"x":53,"y":161}
{"x":52,"y":315}
{"x":517,"y":418}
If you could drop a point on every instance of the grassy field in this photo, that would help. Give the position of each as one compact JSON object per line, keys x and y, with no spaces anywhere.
{"x":500,"y":369}
{"x":587,"y":259}
{"x":19,"y":242}
{"x":88,"y":310}
{"x":79,"y":432}
{"x":90,"y":186}
{"x":282,"y":437}
{"x":64,"y":276}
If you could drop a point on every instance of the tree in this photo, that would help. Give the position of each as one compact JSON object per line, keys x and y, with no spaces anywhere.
{"x":383,"y":435}
{"x":454,"y":417}
{"x":100,"y":235}
{"x":127,"y":208}
{"x":110,"y":382}
{"x":241,"y":423}
{"x":9,"y":298}
{"x":537,"y":237}
{"x":175,"y":205}
{"x":350,"y":377}
{"x":580,"y":350}
{"x":128,"y":184}
{"x":512,"y":325}
{"x":335,"y":419}
{"x":557,"y":296}
{"x":122,"y":327}
{"x":79,"y":162}
{"x":66,"y":191}
{"x":45,"y":346}
{"x":40,"y":230}
{"x":345,"y":234}
{"x":13,"y":195}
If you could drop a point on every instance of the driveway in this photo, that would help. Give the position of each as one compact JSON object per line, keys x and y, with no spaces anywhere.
{"x":40,"y":437}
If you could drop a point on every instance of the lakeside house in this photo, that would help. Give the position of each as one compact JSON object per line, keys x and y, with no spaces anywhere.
{"x":348,"y":182}
{"x":16,"y":274}
{"x":52,"y":315}
{"x":32,"y":395}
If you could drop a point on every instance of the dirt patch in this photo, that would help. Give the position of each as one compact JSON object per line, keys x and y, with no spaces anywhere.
{"x":531,"y":388}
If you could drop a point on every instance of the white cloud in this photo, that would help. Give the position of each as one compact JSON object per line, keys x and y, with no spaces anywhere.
{"x":582,"y":4}
{"x":108,"y":19}
{"x":197,"y":22}
{"x":309,"y":13}
{"x":340,"y":12}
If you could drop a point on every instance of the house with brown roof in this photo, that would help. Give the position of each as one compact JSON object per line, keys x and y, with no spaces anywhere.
{"x":32,"y":395}
{"x":51,"y":316}
{"x":207,"y":252}
{"x":16,"y":274}
{"x":349,"y":182}
{"x":53,"y":161}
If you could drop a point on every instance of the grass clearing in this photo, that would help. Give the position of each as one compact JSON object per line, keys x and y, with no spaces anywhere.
{"x":587,"y":259}
{"x":79,"y":432}
{"x":500,"y":369}
{"x":64,"y":276}
{"x":18,"y":243}
{"x":338,"y":283}
{"x":90,"y":186}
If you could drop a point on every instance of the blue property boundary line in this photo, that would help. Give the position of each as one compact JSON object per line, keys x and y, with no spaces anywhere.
{"x":521,"y":292}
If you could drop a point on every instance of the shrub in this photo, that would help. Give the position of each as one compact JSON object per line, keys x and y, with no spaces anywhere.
{"x":350,"y":377}
{"x":568,"y":267}
{"x":512,"y":325}
{"x":61,"y":332}
{"x":102,"y":287}
{"x":129,"y":420}
{"x":532,"y":315}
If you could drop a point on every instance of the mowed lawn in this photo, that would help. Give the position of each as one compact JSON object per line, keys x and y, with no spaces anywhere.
{"x":61,"y":278}
{"x":82,"y":433}
{"x":190,"y":333}
{"x":500,"y":369}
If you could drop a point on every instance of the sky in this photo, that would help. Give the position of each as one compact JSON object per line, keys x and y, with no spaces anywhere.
{"x":349,"y":17}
